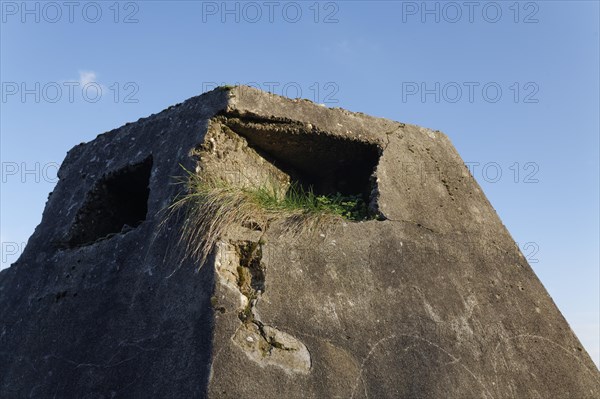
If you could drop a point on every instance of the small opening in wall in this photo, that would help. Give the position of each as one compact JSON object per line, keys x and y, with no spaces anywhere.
{"x":324,"y":163}
{"x":118,"y":202}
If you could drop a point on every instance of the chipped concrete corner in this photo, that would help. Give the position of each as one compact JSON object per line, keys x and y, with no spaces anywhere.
{"x":430,"y":298}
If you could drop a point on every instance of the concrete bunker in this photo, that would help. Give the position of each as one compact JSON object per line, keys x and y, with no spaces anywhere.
{"x":118,"y":202}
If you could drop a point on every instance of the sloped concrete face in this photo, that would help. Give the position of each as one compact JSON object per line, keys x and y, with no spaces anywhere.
{"x":431,"y":299}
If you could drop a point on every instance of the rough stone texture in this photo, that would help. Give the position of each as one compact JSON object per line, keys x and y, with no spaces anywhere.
{"x":433,"y":301}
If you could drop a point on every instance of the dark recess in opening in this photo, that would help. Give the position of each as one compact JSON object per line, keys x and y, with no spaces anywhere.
{"x":117,"y":203}
{"x":325,"y":163}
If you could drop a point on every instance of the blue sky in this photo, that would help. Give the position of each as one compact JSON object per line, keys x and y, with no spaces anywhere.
{"x":514,"y":85}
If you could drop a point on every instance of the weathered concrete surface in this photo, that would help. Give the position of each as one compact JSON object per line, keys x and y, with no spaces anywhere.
{"x":433,"y":301}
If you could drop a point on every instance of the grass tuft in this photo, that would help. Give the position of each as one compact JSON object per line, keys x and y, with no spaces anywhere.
{"x":212,"y":206}
{"x":297,"y":198}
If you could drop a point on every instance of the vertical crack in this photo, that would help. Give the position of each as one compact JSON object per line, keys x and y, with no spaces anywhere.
{"x":262,"y":343}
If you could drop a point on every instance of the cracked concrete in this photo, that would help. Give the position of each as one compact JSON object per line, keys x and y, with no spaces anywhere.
{"x":263,"y":344}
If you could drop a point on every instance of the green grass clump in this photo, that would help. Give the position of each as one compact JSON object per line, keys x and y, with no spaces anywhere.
{"x":297,"y":198}
{"x":211,"y":206}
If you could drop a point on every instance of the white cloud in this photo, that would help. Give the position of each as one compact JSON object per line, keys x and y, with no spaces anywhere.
{"x":86,"y":77}
{"x":87,"y":87}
